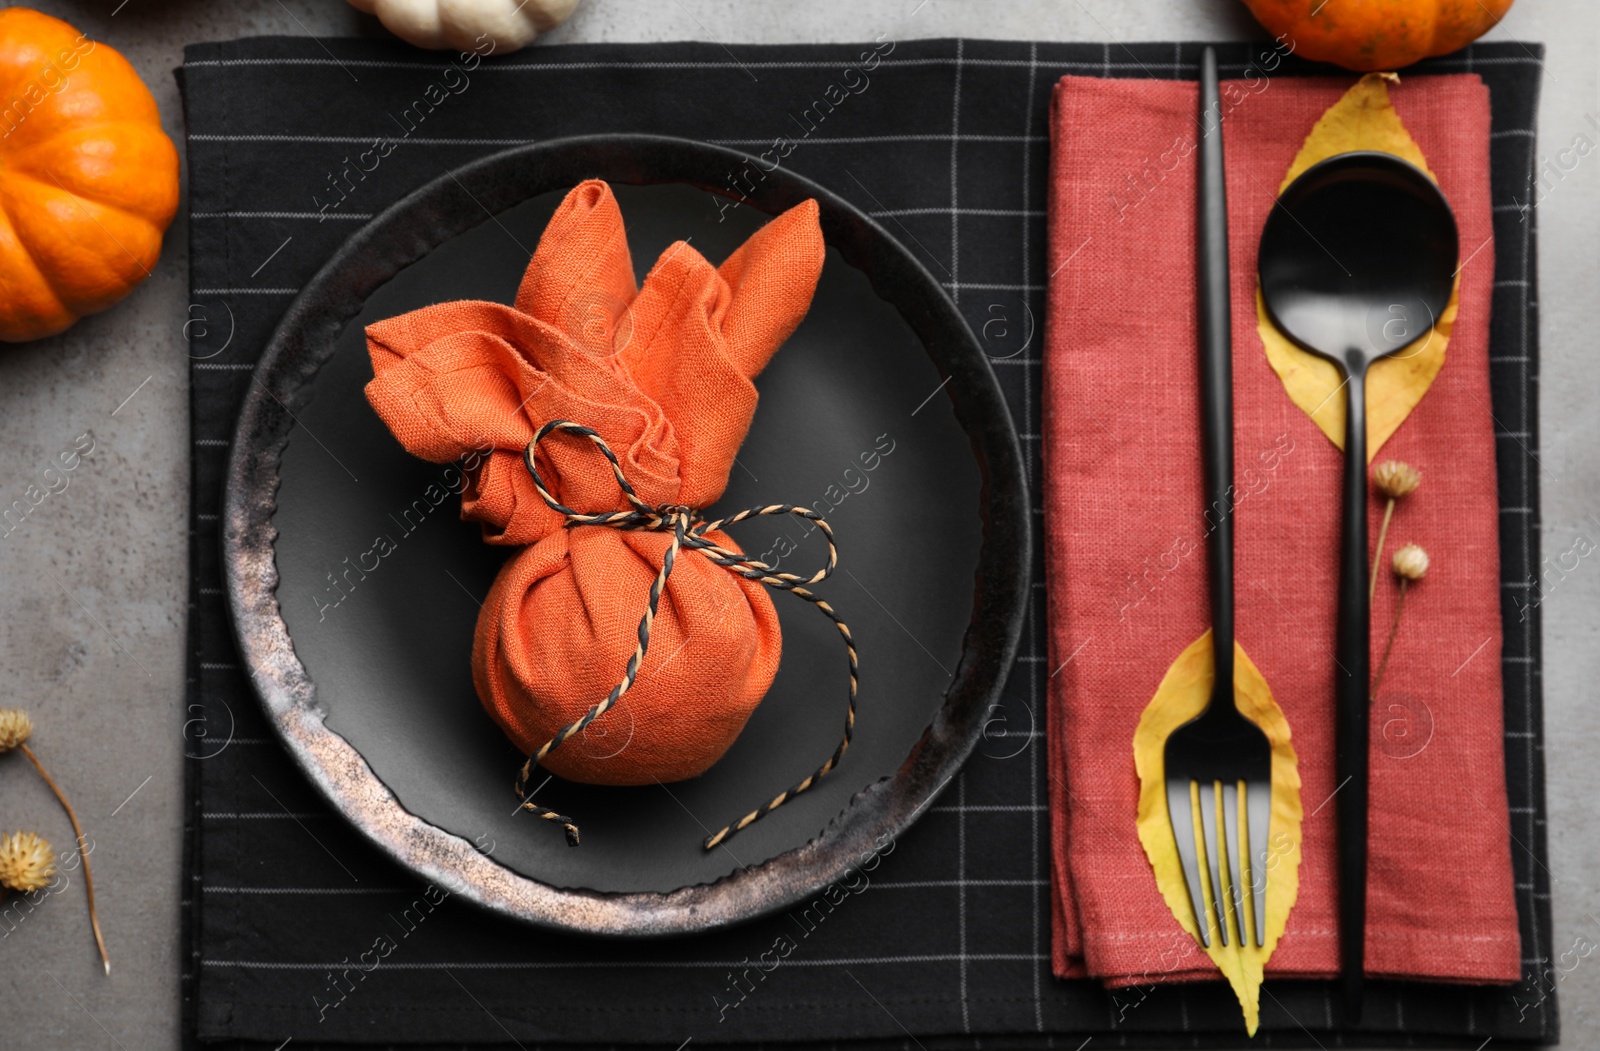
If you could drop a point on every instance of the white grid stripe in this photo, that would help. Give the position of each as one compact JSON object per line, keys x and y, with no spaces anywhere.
{"x":1031,"y":666}
{"x":1105,"y":67}
{"x":955,"y":294}
{"x":997,"y":213}
{"x":653,"y":965}
{"x":1525,"y":499}
{"x":451,"y":140}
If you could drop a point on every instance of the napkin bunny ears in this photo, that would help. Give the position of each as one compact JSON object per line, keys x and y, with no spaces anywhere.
{"x":662,"y":372}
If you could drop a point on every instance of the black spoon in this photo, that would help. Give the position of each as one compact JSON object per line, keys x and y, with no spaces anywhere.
{"x":1357,"y":260}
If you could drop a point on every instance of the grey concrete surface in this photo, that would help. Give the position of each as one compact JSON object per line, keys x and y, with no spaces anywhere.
{"x":92,"y":584}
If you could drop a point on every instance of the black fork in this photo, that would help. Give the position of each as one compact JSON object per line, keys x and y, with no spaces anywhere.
{"x":1219,"y":757}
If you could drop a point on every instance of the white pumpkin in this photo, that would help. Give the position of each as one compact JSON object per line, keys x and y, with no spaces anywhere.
{"x":467,"y":25}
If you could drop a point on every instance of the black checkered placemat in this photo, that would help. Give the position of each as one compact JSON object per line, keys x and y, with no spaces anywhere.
{"x":293,"y":143}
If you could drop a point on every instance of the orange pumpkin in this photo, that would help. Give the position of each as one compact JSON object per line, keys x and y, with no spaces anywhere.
{"x":1370,"y":35}
{"x":88,"y":180}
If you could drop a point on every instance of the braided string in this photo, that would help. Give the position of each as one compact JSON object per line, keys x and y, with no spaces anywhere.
{"x":688,"y":533}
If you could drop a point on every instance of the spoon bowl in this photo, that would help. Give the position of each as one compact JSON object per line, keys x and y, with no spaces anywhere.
{"x":1357,"y":261}
{"x":1358,"y":258}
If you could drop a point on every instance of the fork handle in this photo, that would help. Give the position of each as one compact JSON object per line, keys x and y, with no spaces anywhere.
{"x":1216,"y":374}
{"x":1352,"y":697}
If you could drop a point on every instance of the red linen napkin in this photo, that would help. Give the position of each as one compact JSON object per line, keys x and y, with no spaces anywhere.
{"x":1126,"y":555}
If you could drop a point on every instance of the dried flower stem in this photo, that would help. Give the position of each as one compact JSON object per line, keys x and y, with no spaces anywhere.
{"x":1394,"y":629}
{"x":1377,"y":556}
{"x":83,"y":851}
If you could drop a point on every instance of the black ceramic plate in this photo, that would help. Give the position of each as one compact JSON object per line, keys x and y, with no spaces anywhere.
{"x":881,"y":410}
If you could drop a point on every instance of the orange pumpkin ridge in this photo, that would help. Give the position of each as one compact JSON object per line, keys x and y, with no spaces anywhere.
{"x":1368,"y":35}
{"x":88,"y":178}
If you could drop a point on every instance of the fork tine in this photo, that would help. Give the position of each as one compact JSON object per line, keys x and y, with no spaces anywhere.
{"x":1233,"y":849}
{"x":1208,"y":821}
{"x":1259,"y":815}
{"x":1180,"y":811}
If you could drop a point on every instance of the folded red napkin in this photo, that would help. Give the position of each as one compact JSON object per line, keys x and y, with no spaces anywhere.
{"x":1126,"y":554}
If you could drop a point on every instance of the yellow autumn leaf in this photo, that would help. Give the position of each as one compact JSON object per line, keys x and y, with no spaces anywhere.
{"x":1180,"y":697}
{"x":1364,"y":119}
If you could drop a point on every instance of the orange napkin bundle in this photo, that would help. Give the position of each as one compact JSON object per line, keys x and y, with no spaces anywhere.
{"x":663,"y":373}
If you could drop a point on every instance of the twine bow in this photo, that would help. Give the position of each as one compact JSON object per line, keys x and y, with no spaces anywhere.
{"x":688,"y":531}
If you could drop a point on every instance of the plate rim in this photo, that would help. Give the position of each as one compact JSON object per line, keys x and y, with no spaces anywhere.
{"x":305,"y":338}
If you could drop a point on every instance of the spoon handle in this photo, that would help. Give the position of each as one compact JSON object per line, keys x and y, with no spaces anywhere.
{"x":1216,"y":375}
{"x":1352,"y":700}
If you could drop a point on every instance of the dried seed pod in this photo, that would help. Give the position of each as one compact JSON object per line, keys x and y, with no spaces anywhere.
{"x":26,"y":861}
{"x":1396,"y":478}
{"x":15,"y":728}
{"x":1411,"y":562}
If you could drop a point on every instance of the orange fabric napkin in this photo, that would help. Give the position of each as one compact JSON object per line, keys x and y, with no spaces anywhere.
{"x":1126,"y":554}
{"x":663,"y":373}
